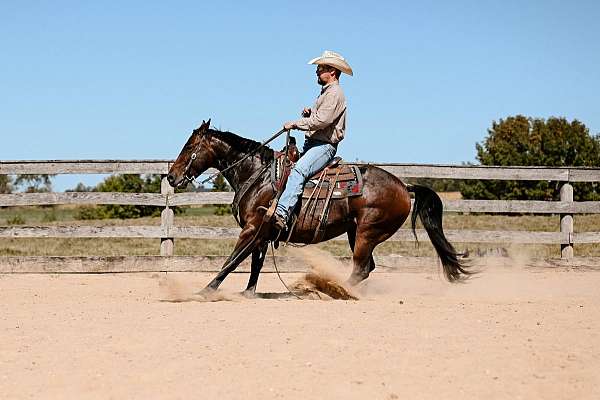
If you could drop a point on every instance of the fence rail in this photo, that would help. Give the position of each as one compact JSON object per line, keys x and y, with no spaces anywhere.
{"x":161,"y":167}
{"x":198,"y":232}
{"x":127,"y":264}
{"x":168,"y":231}
{"x":184,"y":199}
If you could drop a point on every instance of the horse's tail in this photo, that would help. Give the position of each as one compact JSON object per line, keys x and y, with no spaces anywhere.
{"x":429,"y":208}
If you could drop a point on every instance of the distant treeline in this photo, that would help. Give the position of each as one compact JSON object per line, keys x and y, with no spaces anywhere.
{"x":129,"y":183}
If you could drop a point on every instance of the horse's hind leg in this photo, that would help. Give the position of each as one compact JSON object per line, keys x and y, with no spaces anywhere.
{"x":352,"y":240}
{"x":362,"y":258}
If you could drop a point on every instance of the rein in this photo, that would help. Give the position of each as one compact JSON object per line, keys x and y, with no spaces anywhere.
{"x":194,"y":155}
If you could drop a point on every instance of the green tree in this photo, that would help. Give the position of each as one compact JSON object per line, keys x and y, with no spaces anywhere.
{"x":523,"y":141}
{"x":437,"y":184}
{"x":82,"y":187}
{"x":125,"y":183}
{"x":32,"y":183}
{"x":220,"y":185}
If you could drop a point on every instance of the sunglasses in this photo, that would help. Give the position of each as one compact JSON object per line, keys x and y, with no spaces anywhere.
{"x":321,"y":70}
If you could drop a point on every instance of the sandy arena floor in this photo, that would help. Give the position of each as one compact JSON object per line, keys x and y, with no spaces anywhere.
{"x":504,"y":335}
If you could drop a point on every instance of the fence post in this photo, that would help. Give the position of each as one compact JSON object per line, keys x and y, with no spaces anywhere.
{"x":566,"y":221}
{"x":166,"y":220}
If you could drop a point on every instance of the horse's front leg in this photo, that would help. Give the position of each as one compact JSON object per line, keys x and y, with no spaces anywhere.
{"x":245,"y":245}
{"x":258,"y":259}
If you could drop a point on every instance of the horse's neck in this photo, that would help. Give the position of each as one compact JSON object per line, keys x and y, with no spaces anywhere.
{"x":240,"y":173}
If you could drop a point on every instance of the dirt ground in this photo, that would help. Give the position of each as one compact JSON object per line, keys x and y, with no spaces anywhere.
{"x":506,"y":334}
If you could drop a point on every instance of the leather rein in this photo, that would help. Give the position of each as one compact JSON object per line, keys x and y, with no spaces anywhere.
{"x":189,"y":178}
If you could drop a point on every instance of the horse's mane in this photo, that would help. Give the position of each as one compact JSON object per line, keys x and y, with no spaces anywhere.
{"x":243,"y":144}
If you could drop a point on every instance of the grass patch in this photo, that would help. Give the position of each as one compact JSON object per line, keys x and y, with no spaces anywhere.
{"x":15,"y":220}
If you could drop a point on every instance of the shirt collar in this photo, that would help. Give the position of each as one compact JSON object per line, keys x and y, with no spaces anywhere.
{"x":324,"y":88}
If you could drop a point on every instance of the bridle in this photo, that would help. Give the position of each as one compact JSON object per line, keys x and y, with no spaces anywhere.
{"x":188,"y":178}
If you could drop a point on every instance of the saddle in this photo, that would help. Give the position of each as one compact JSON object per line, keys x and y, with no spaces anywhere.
{"x":337,"y":179}
{"x":345,"y":179}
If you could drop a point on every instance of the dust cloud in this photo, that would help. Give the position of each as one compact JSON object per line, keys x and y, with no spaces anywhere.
{"x":327,"y":275}
{"x":177,"y":290}
{"x":497,"y":277}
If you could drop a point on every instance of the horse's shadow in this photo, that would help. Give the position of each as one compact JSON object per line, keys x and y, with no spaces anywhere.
{"x":276,"y":296}
{"x":218,"y":296}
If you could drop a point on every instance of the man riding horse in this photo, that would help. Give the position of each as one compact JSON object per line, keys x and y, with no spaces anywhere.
{"x":369,"y":216}
{"x":325,"y":125}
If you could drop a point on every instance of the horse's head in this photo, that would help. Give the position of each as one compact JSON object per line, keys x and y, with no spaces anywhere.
{"x":196,"y":157}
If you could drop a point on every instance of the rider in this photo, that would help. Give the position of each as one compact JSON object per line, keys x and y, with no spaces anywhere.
{"x":324,"y":123}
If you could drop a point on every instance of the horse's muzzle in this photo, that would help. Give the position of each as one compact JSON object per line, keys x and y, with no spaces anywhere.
{"x":175,"y":182}
{"x":171,"y":179}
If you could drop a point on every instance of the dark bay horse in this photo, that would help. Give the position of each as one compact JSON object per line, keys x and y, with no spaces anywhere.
{"x":368,"y":219}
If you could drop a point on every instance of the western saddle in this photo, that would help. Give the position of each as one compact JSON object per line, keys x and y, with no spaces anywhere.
{"x":337,"y":181}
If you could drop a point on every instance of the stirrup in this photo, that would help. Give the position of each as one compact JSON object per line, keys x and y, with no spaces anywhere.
{"x":270,"y":212}
{"x":280,"y":223}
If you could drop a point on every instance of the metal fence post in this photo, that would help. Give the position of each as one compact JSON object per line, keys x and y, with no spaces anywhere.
{"x":566,"y":222}
{"x":166,"y":220}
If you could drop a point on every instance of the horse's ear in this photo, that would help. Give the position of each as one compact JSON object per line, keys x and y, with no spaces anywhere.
{"x":203,"y":128}
{"x":205,"y":125}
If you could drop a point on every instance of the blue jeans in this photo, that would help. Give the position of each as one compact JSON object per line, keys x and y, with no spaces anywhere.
{"x":315,"y":156}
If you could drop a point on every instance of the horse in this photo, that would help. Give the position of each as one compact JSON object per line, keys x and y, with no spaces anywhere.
{"x":368,"y":219}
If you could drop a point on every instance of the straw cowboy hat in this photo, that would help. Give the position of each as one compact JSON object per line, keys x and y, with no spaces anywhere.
{"x":332,"y":59}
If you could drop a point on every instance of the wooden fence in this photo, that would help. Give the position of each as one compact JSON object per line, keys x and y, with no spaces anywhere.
{"x":168,"y":231}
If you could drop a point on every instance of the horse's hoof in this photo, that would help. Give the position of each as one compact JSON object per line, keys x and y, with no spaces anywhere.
{"x":249,"y":294}
{"x":206,"y":293}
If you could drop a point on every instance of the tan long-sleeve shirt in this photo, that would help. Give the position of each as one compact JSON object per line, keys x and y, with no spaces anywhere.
{"x":327,"y":121}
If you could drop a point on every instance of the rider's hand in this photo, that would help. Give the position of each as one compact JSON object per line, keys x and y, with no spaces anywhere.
{"x":289,"y":125}
{"x":306,"y":112}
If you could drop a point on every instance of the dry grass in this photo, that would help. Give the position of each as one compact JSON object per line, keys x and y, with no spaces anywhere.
{"x":203,"y":217}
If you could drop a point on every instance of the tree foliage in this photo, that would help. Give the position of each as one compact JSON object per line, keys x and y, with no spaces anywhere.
{"x":130,"y":184}
{"x":220,"y":185}
{"x":82,"y":187}
{"x":125,"y":183}
{"x":31,"y":183}
{"x":523,"y":141}
{"x":437,"y":184}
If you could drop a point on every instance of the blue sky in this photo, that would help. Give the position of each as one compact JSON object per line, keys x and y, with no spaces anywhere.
{"x":130,"y":80}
